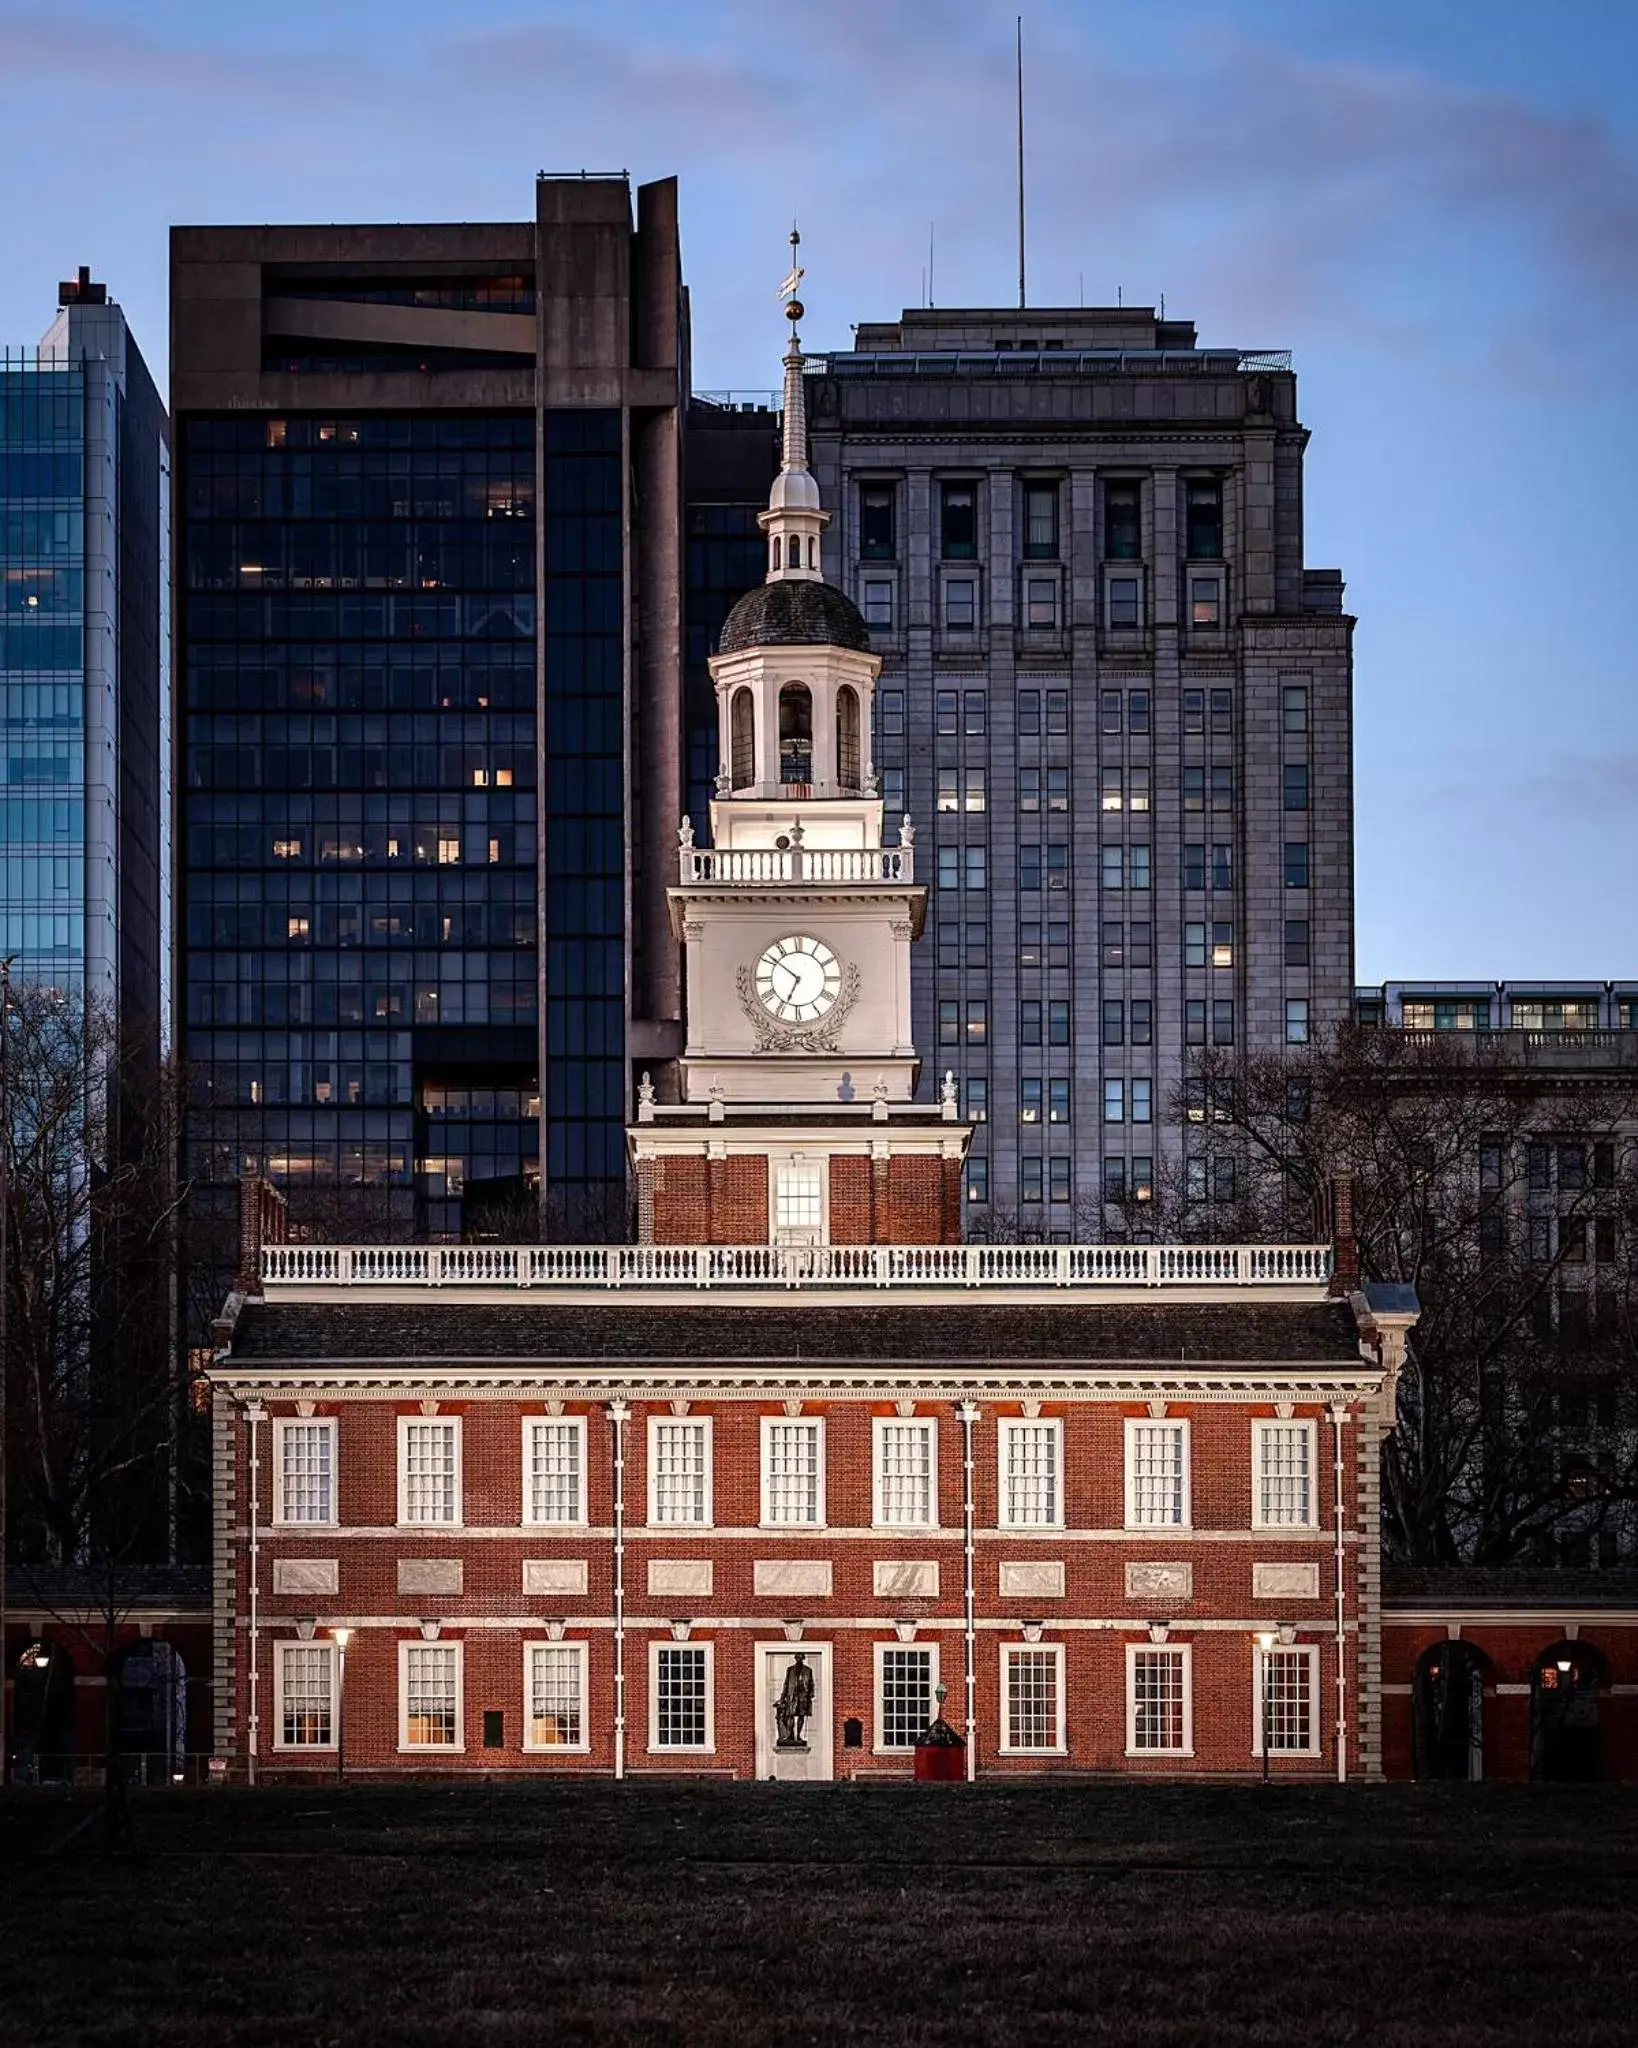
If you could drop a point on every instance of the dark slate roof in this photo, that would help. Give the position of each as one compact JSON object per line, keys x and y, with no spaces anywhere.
{"x":65,"y":1589}
{"x":794,"y":614}
{"x":911,"y":1333}
{"x":1468,"y":1585}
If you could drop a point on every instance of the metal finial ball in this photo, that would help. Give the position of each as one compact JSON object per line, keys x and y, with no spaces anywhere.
{"x":795,"y":310}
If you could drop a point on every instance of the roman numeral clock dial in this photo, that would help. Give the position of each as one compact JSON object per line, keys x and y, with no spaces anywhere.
{"x":798,"y":980}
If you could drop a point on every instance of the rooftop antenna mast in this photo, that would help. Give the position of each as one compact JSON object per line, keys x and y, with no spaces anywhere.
{"x":1020,"y":163}
{"x":931,"y":301}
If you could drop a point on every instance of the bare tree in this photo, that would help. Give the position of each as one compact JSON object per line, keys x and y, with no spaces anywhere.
{"x":94,"y":1396}
{"x":1504,"y":1193}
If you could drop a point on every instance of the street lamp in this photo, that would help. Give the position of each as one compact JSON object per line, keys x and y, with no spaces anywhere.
{"x":1266,"y":1639}
{"x":342,"y":1636}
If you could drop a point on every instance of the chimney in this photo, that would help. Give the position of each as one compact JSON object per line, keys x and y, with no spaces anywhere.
{"x":1344,"y":1245}
{"x":264,"y":1218}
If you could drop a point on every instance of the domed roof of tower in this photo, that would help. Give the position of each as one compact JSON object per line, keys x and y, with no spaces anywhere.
{"x":794,"y":615}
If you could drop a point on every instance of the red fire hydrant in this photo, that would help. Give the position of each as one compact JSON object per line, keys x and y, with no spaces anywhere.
{"x":940,"y":1751}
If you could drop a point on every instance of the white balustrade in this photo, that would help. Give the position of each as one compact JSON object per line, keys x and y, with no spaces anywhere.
{"x":1088,"y":1268}
{"x":771,"y":864}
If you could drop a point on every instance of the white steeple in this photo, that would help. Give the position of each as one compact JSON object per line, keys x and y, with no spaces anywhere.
{"x":793,"y":521}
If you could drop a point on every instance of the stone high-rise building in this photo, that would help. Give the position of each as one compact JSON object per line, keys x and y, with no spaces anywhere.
{"x":1119,"y":706}
{"x":429,"y":566}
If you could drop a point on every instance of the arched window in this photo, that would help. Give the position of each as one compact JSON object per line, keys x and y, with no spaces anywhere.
{"x":1564,"y":1711}
{"x":742,"y":740}
{"x":813,"y":552}
{"x":796,"y":734}
{"x":773,"y":552}
{"x":1447,"y":1709}
{"x":847,"y":737}
{"x":793,"y":551}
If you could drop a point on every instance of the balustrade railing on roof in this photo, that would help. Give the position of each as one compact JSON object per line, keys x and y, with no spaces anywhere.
{"x":593,"y":1268}
{"x":773,"y":864}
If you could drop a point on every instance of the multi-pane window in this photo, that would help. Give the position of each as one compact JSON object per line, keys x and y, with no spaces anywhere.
{"x":1058,"y":1021}
{"x":1114,"y":1101}
{"x":1114,"y":1021}
{"x":974,"y":867}
{"x":1143,"y":1092}
{"x":306,"y":1675}
{"x":307,"y":1471}
{"x":679,"y":1463}
{"x":1294,"y":786}
{"x":1296,"y":1020}
{"x":1283,"y":1698}
{"x":1194,"y":789}
{"x":890,"y":708}
{"x":793,"y":1472}
{"x":1029,"y":714}
{"x":876,"y":542}
{"x":1143,"y":1013}
{"x":978,"y":1020}
{"x":1283,"y":1460}
{"x":1029,"y":789}
{"x":1194,"y":865}
{"x":1060,"y":1178}
{"x":1222,"y":866}
{"x":1138,"y":789}
{"x":1194,"y":1022}
{"x":1157,"y":1475}
{"x":1143,"y":1176}
{"x":1203,"y":519}
{"x":1112,"y":789}
{"x":975,"y":713}
{"x":977,"y":1091}
{"x":878,"y":603}
{"x":1029,"y":1022}
{"x":1031,"y":1460}
{"x":1123,"y":603}
{"x":554,"y":1689}
{"x":906,"y":1450}
{"x":554,"y":1469}
{"x":1057,"y":714}
{"x":1029,"y":1099}
{"x":1296,"y":863}
{"x":1194,"y":711}
{"x":958,"y":521}
{"x":906,"y":1677}
{"x":1222,"y":1023}
{"x":1159,"y":1710}
{"x":1114,"y":943}
{"x":429,"y":1695}
{"x":680,"y":1696}
{"x":1031,"y":1179}
{"x":1032,"y":1699}
{"x":1138,"y":709}
{"x":960,"y":605}
{"x":1109,"y":712}
{"x":1041,"y":521}
{"x":1114,"y":1180}
{"x":1122,"y":521}
{"x":978,"y":1178}
{"x":1058,"y":1101}
{"x":1040,"y":603}
{"x":429,"y":1469}
{"x":1294,"y":707}
{"x":1205,"y":600}
{"x":1222,"y":789}
{"x":1222,"y":944}
{"x":799,"y":1198}
{"x":1222,"y":712}
{"x":1058,"y":789}
{"x":1296,"y":942}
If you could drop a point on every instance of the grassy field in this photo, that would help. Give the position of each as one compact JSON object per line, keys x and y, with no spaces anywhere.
{"x":757,"y":1914}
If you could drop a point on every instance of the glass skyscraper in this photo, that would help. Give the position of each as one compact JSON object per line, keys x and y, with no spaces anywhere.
{"x":429,"y":590}
{"x":84,"y":472}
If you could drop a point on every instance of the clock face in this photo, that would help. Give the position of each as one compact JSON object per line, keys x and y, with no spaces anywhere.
{"x":798,"y":980}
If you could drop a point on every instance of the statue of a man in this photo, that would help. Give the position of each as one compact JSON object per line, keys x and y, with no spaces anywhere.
{"x":794,"y":1705}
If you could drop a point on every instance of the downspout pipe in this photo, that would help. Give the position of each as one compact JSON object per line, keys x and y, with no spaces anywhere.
{"x":254,"y":1414}
{"x":618,"y":1412}
{"x":968,"y":1412}
{"x":1339,"y":1420}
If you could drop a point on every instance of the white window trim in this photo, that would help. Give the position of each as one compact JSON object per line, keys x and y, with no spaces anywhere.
{"x":580,"y":1748}
{"x":1135,"y":1423}
{"x":405,"y":1746}
{"x":817,"y":1163}
{"x":1259,"y":1430}
{"x":878,"y":1746}
{"x":281,"y":1650}
{"x":576,"y":1423}
{"x":1311,"y":1652}
{"x":281,"y":1423}
{"x":769,"y":1424}
{"x":1186,"y":1651}
{"x":1059,"y":1745}
{"x":709,"y":1746}
{"x":404,"y":1423}
{"x":879,"y":1424}
{"x":1010,"y":1423}
{"x":655,"y":1423}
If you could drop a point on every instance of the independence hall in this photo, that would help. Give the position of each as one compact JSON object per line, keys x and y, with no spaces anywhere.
{"x":797,"y":1473}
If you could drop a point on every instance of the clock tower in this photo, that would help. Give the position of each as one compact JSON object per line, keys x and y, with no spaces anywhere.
{"x":796,"y":1121}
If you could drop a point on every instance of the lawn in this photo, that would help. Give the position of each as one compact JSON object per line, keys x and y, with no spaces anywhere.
{"x":752,"y":1914}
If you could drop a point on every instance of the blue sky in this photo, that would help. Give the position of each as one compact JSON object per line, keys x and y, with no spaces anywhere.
{"x":1434,"y":206}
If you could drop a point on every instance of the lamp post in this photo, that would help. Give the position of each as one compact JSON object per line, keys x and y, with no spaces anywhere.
{"x":342,"y":1637}
{"x":1266,"y":1640}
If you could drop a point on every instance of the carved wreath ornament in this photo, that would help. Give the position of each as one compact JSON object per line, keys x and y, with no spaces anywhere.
{"x":772,"y":1036}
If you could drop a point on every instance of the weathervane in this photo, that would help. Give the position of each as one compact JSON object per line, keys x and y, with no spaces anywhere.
{"x":791,"y":283}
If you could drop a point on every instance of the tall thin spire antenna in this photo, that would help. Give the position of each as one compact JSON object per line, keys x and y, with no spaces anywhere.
{"x":1020,"y":163}
{"x":931,"y":225}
